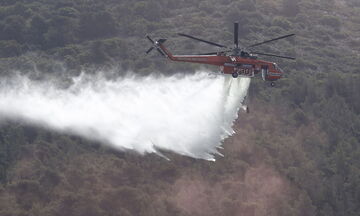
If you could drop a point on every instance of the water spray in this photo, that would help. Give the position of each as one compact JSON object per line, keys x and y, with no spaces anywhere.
{"x":187,"y":114}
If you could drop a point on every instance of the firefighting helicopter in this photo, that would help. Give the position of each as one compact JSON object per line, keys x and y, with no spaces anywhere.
{"x":237,"y":61}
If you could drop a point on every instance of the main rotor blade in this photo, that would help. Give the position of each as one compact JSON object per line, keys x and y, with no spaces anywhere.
{"x":202,"y":40}
{"x":236,"y":34}
{"x":274,"y":39}
{"x":278,"y":56}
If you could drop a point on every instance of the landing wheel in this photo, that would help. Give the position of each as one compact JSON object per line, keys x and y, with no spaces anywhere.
{"x":235,"y":75}
{"x":272,"y":84}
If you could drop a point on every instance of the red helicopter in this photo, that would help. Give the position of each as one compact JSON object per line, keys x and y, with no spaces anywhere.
{"x":235,"y":61}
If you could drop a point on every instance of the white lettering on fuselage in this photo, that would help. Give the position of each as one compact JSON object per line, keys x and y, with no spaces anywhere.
{"x":245,"y":71}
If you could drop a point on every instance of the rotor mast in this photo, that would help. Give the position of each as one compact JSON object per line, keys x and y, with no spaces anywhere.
{"x":236,"y":50}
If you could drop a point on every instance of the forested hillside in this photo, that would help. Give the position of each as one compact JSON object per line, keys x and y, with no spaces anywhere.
{"x":296,"y":153}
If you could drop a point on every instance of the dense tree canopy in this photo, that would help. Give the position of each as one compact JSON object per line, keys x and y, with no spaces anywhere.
{"x":297,"y":153}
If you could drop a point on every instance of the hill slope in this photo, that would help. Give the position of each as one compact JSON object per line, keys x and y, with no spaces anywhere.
{"x":297,"y":153}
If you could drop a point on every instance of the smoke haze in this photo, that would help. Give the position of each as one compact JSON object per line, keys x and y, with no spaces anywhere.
{"x":187,"y":114}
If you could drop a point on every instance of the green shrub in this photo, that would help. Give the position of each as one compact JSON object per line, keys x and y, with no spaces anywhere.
{"x":331,"y":21}
{"x":9,"y":48}
{"x":282,"y":22}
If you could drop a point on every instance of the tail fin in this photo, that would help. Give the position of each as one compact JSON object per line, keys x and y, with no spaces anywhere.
{"x":156,"y":45}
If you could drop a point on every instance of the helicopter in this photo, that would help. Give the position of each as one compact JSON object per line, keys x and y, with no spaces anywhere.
{"x":235,"y":61}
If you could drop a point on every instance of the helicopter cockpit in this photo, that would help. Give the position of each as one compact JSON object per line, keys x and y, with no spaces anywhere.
{"x":277,"y":68}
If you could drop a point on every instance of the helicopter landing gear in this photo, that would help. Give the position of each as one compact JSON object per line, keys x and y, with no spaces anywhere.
{"x":272,"y":84}
{"x":235,"y":75}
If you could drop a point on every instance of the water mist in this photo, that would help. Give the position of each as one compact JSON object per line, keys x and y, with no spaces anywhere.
{"x":187,"y":114}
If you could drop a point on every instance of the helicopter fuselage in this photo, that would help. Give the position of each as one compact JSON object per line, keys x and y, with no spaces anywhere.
{"x":247,"y":66}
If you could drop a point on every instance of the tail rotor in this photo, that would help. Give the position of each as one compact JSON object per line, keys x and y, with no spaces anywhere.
{"x":149,"y":50}
{"x":156,"y":45}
